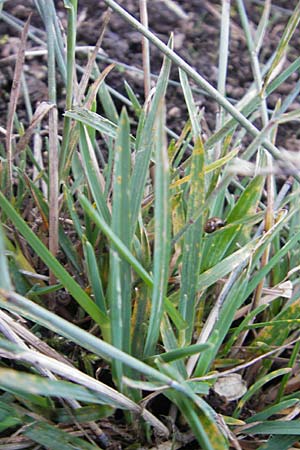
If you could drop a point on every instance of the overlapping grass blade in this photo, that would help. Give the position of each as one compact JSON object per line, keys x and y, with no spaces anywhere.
{"x":93,"y":174}
{"x":257,"y":385}
{"x":200,"y":416}
{"x":126,"y":254}
{"x":53,"y":438}
{"x":284,"y":41}
{"x":223,"y":243}
{"x":273,"y":410}
{"x":61,"y":274}
{"x":145,"y":143}
{"x":280,"y":442}
{"x":71,"y":6}
{"x":94,"y":275}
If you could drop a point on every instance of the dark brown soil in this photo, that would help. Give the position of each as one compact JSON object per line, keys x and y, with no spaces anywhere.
{"x":196,"y":32}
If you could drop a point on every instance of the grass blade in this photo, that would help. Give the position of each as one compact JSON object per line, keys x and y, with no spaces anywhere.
{"x":162,"y":234}
{"x":120,"y":270}
{"x":92,"y":173}
{"x":191,"y":257}
{"x":145,"y":146}
{"x":61,"y":274}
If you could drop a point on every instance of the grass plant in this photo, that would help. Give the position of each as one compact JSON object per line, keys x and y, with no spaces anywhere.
{"x":118,"y":227}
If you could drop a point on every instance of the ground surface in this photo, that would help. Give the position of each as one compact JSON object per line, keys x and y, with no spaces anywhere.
{"x":196,"y":28}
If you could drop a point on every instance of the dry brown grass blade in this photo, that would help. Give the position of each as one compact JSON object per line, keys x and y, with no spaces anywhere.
{"x":41,"y":111}
{"x":88,"y":70}
{"x":53,"y":186}
{"x":14,"y":95}
{"x":145,"y":49}
{"x":95,"y":86}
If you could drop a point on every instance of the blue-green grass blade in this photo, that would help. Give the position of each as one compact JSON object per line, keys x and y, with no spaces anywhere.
{"x":92,"y":173}
{"x":115,"y":296}
{"x":120,"y":270}
{"x":34,"y":384}
{"x":230,"y":304}
{"x":5,"y":281}
{"x":94,"y":120}
{"x":107,"y":102}
{"x":72,"y":211}
{"x":71,"y":7}
{"x":133,"y":98}
{"x":94,"y":275}
{"x":170,"y":343}
{"x":162,"y":235}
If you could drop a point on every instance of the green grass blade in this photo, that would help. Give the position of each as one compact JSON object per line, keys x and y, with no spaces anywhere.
{"x":34,"y":384}
{"x":5,"y":281}
{"x":92,"y":173}
{"x":145,"y":147}
{"x":107,"y":102}
{"x":161,"y":233}
{"x":58,"y":270}
{"x":94,"y":275}
{"x":276,"y":427}
{"x":221,"y":318}
{"x":71,"y":6}
{"x":225,"y":266}
{"x":53,"y":438}
{"x":225,"y":241}
{"x":280,"y":442}
{"x":206,"y":432}
{"x":272,"y":410}
{"x":170,"y":343}
{"x":258,"y":385}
